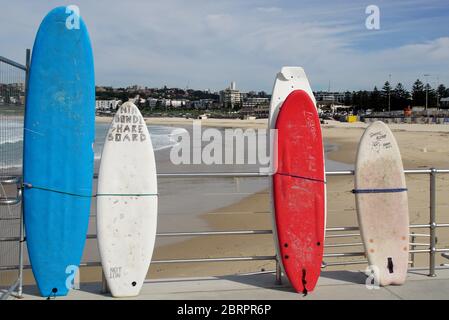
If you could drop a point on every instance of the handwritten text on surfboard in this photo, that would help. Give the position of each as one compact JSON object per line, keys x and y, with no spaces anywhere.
{"x":127,"y":127}
{"x":379,"y":141}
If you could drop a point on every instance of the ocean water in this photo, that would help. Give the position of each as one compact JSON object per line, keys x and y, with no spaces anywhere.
{"x":11,"y":140}
{"x":162,"y":137}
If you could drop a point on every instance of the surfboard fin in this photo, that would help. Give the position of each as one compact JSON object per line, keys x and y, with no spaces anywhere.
{"x":304,"y":282}
{"x":390,"y":265}
{"x":52,"y":294}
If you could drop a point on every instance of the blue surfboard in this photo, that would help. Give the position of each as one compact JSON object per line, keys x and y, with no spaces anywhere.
{"x":58,"y":156}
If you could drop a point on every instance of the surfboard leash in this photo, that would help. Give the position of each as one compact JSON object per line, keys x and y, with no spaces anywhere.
{"x":300,"y":177}
{"x":387,"y":190}
{"x":30,"y":186}
{"x":126,"y":195}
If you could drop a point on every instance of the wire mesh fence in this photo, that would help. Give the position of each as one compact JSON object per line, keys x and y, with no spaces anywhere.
{"x":12,"y":104}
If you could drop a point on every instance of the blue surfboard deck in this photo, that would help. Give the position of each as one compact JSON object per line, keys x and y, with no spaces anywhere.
{"x":58,"y":151}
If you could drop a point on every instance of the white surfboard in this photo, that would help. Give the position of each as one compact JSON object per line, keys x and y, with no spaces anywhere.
{"x":127,"y":202}
{"x":382,"y":205}
{"x":287,"y":80}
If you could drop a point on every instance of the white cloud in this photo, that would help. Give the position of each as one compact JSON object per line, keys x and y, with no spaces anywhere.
{"x":269,"y":9}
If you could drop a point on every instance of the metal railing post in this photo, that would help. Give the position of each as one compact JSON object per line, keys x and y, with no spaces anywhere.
{"x":278,"y":273}
{"x":412,"y":247}
{"x":20,"y":187}
{"x":104,"y":283}
{"x":21,"y":242}
{"x":432,"y":223}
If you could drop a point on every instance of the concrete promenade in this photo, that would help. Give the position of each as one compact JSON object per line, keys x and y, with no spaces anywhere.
{"x":342,"y":285}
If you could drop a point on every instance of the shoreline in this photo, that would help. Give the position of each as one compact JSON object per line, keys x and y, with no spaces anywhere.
{"x":211,"y":122}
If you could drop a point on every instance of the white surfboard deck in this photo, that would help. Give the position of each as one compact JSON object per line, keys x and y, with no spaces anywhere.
{"x":127,"y":202}
{"x":287,"y":80}
{"x":383,"y":215}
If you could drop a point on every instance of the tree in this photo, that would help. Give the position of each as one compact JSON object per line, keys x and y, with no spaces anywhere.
{"x":386,"y":91}
{"x":442,"y":92}
{"x":375,"y":102}
{"x":348,"y":98}
{"x":400,"y":97}
{"x":418,"y":93}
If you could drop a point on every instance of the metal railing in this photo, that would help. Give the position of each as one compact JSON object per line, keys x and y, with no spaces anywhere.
{"x":431,"y":249}
{"x":6,"y":80}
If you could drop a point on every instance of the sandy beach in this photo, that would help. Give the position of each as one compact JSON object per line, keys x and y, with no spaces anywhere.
{"x":422,"y":146}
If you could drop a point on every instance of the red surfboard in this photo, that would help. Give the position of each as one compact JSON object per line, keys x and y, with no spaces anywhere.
{"x":299,"y":196}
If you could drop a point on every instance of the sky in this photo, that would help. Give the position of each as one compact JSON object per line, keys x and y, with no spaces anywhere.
{"x":207,"y":44}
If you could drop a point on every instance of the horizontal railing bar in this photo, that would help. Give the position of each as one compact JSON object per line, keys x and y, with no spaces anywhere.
{"x":343,"y":235}
{"x":202,"y":233}
{"x":227,"y":259}
{"x":9,"y":201}
{"x":9,"y":239}
{"x":420,"y":251}
{"x":91,"y":264}
{"x":28,"y":266}
{"x":420,"y":235}
{"x":437,"y":225}
{"x":9,"y":218}
{"x":212,"y":174}
{"x":353,"y":244}
{"x":418,"y":171}
{"x":264,"y":174}
{"x":344,"y":254}
{"x":258,"y":174}
{"x":257,"y":232}
{"x":441,"y":170}
{"x":10,"y":180}
{"x":213,"y":233}
{"x":13,"y":63}
{"x":342,"y":229}
{"x":344,"y":263}
{"x":414,"y":226}
{"x":340,"y":173}
{"x":9,"y":268}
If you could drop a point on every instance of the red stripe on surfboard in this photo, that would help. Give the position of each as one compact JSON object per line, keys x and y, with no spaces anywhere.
{"x":298,"y":190}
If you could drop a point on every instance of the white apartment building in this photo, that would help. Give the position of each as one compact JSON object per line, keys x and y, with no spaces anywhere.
{"x":231,"y":97}
{"x":107,"y":104}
